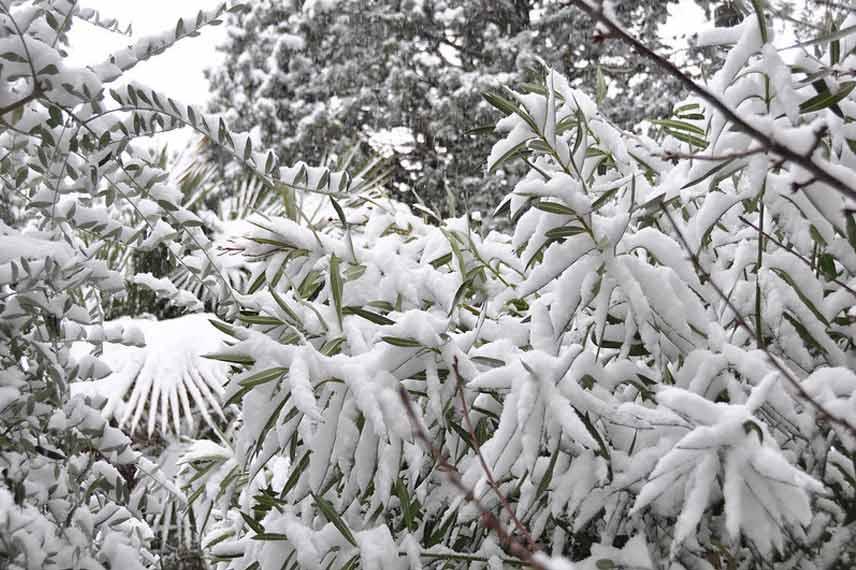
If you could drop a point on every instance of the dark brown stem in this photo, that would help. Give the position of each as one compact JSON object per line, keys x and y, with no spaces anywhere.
{"x":21,"y":102}
{"x":669,"y":155}
{"x":514,"y":546}
{"x":459,"y":381}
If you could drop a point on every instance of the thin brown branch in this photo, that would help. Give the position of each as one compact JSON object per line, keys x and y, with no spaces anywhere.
{"x":459,"y":381}
{"x":794,"y":252}
{"x":490,"y":520}
{"x":738,"y":317}
{"x":671,"y":155}
{"x":771,"y":144}
{"x":20,"y":102}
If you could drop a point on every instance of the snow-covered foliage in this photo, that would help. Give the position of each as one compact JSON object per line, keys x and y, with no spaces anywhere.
{"x":165,"y":385}
{"x":654,"y":368}
{"x":75,"y":191}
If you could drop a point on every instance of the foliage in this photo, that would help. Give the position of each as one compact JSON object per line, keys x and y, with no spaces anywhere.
{"x":654,"y":368}
{"x":657,"y":364}
{"x":78,"y":199}
{"x":404,"y":79}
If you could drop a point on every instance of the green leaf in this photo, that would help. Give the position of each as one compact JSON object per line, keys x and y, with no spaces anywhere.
{"x":339,"y":212}
{"x":402,"y":342}
{"x":253,"y":523}
{"x":806,"y":301}
{"x":442,"y":260}
{"x":295,"y":474}
{"x":603,"y":198}
{"x":332,"y":516}
{"x":284,"y":306}
{"x":368,"y":315}
{"x":749,"y":426}
{"x":263,"y":377}
{"x":673,"y":124}
{"x":336,"y":286}
{"x":269,"y":536}
{"x":548,"y":474}
{"x":263,"y":320}
{"x":564,"y":232}
{"x":851,"y":229}
{"x":600,"y":86}
{"x":520,"y":148}
{"x":689,"y":139}
{"x":553,"y":208}
{"x":332,"y":346}
{"x":762,"y":19}
{"x":826,"y":99}
{"x":231,"y":358}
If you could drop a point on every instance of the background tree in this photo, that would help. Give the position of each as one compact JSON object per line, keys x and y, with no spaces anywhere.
{"x":406,"y":77}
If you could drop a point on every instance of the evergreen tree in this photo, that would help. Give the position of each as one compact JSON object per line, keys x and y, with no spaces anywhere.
{"x":320,"y":77}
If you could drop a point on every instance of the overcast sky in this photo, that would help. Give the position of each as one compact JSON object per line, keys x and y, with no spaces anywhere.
{"x":179,"y":71}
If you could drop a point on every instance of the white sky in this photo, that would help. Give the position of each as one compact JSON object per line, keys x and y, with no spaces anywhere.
{"x":177,"y":73}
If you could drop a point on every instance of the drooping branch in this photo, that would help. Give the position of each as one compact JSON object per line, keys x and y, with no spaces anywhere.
{"x":491,"y":480}
{"x":756,"y":335}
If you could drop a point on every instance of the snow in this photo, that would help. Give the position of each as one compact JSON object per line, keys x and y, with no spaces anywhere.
{"x":166,"y":375}
{"x":617,"y":363}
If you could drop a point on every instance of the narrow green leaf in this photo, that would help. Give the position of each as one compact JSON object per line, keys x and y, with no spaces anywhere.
{"x":231,"y":358}
{"x":253,"y":523}
{"x":263,"y":377}
{"x":762,"y":19}
{"x":402,"y":342}
{"x":332,"y":516}
{"x":368,"y":315}
{"x":336,"y":286}
{"x":553,"y":208}
{"x":600,"y":86}
{"x":269,"y":536}
{"x":564,"y":232}
{"x":680,"y":126}
{"x":826,"y":99}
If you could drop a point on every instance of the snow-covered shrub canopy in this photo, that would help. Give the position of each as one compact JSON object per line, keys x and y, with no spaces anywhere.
{"x":655,"y":365}
{"x":653,"y":369}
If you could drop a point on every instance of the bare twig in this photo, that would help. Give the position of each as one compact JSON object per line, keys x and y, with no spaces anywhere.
{"x":671,"y":155}
{"x":514,"y":546}
{"x":820,"y":174}
{"x":21,"y":102}
{"x":738,"y":317}
{"x":794,"y":252}
{"x":459,"y":381}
